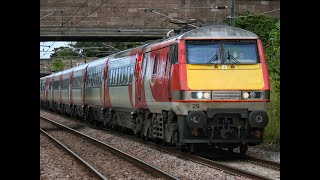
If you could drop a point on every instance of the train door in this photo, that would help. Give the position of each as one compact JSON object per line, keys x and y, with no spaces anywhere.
{"x":83,"y":90}
{"x":51,"y":89}
{"x":70,"y":100}
{"x":46,"y":90}
{"x":107,"y":83}
{"x":60,"y":88}
{"x":160,"y":73}
{"x":172,"y":58}
{"x":167,"y":77}
{"x":104,"y":84}
{"x":141,"y":78}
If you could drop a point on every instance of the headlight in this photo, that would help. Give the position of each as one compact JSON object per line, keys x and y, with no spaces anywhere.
{"x":251,"y":94}
{"x":206,"y":95}
{"x":245,"y":95}
{"x":199,"y":95}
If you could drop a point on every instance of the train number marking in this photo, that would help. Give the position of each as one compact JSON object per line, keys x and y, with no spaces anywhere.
{"x":195,"y":106}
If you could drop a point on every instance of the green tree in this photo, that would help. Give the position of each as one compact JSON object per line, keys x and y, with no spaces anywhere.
{"x":273,"y":52}
{"x":268,"y":29}
{"x":57,"y":65}
{"x":259,"y":24}
{"x":64,"y":52}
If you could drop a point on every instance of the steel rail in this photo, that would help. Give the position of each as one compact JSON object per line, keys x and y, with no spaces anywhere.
{"x":86,"y":164}
{"x":147,"y":167}
{"x":198,"y":159}
{"x":263,"y":162}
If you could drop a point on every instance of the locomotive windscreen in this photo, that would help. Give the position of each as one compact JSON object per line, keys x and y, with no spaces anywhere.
{"x":222,"y":52}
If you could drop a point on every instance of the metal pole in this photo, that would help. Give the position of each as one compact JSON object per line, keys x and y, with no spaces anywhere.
{"x":232,"y":13}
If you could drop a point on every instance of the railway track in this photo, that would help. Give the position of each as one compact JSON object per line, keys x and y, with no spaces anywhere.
{"x":201,"y":160}
{"x":82,"y":161}
{"x":206,"y":161}
{"x":262,"y":162}
{"x":146,"y":167}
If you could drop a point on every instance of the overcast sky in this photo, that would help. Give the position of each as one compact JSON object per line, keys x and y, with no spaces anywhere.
{"x":49,"y":51}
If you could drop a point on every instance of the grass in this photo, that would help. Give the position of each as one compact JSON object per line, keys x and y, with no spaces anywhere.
{"x":272,"y":131}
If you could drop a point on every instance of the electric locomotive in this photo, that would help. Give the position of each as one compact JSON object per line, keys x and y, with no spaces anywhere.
{"x":209,"y":85}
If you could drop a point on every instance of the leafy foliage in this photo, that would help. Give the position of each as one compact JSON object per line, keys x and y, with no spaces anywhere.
{"x":268,"y":29}
{"x":64,"y":52}
{"x":259,"y":24}
{"x":273,"y":52}
{"x":57,"y":65}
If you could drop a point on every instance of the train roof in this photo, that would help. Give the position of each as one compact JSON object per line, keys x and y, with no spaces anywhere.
{"x":81,"y":67}
{"x":49,"y":76}
{"x":58,"y":73}
{"x":67,"y":71}
{"x":218,"y":31}
{"x":98,"y":61}
{"x":209,"y":32}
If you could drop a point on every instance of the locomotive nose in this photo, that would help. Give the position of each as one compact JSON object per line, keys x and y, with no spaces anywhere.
{"x":197,"y":119}
{"x":258,"y":119}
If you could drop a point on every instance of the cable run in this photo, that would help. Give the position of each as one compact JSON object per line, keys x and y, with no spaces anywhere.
{"x":254,"y":14}
{"x":78,"y":22}
{"x":77,"y":11}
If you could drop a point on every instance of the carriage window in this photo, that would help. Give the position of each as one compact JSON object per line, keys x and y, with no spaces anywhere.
{"x":65,"y":84}
{"x":124,"y":76}
{"x":128,"y":75}
{"x":113,"y":77}
{"x":56,"y":84}
{"x":110,"y":77}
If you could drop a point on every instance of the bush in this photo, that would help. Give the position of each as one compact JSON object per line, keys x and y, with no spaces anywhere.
{"x":268,"y":30}
{"x":57,"y":65}
{"x":272,"y":131}
{"x":260,"y":24}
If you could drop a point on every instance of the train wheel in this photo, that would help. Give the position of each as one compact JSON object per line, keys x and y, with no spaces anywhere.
{"x":243,"y":148}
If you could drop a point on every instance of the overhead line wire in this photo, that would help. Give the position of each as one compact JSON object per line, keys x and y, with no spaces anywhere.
{"x":77,"y":23}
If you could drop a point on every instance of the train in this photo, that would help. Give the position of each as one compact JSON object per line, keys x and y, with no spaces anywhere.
{"x":207,"y":86}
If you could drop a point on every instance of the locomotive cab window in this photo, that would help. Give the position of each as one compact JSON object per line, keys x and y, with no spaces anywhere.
{"x":222,"y":52}
{"x":240,"y":53}
{"x":203,"y":52}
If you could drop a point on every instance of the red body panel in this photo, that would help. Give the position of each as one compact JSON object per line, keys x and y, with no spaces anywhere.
{"x":264,"y":66}
{"x":159,"y":80}
{"x":163,"y":80}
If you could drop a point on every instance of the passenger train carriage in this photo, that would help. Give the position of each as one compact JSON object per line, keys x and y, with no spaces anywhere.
{"x":209,"y":85}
